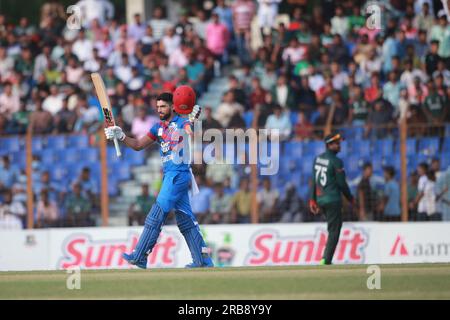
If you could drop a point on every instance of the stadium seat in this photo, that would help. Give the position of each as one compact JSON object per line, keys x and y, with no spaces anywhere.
{"x":58,"y":172}
{"x":37,"y":144}
{"x":411,"y":147}
{"x":48,"y":157}
{"x":19,"y":158}
{"x":344,"y":149}
{"x":429,"y":146}
{"x":90,"y":154}
{"x":133,"y":157}
{"x":69,"y":155}
{"x":293,"y":116}
{"x":294,"y":149}
{"x":445,"y":160}
{"x":361,"y":147}
{"x":78,"y":141}
{"x":446,"y":145}
{"x":248,"y":118}
{"x":383,"y":147}
{"x":306,"y":164}
{"x":56,"y":142}
{"x":112,"y":156}
{"x":11,"y":144}
{"x":120,"y":171}
{"x":447,"y":130}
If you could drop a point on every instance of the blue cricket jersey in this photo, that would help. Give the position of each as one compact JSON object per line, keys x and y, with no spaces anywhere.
{"x":171,"y":139}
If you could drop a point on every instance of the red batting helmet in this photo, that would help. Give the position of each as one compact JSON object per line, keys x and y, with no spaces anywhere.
{"x":184,"y":99}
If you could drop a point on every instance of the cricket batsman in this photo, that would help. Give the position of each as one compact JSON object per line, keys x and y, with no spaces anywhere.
{"x":328,"y":185}
{"x":177,"y":114}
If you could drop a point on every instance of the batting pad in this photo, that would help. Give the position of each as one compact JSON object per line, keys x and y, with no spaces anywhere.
{"x":152,"y":229}
{"x":191,"y":233}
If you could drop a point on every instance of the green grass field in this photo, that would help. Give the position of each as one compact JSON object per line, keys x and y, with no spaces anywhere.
{"x":418,"y":281}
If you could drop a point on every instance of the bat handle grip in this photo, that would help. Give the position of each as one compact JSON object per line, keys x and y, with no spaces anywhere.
{"x":116,"y":144}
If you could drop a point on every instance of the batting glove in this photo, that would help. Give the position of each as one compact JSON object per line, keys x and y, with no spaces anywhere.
{"x":195,"y":114}
{"x":115,"y":132}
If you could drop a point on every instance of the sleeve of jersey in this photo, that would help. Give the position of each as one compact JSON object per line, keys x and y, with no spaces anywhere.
{"x":341,"y":181}
{"x":153,"y":133}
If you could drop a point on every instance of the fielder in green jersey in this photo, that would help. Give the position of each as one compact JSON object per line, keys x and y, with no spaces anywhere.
{"x":328,"y":186}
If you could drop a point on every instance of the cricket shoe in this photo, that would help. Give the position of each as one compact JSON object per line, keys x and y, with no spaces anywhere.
{"x":141,"y":263}
{"x":207,"y":263}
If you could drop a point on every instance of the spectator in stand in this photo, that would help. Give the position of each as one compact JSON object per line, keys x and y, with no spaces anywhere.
{"x":303,"y":128}
{"x":279,"y":124}
{"x":436,"y":109}
{"x":101,"y":10}
{"x":427,"y":197}
{"x":367,"y":196}
{"x":291,"y":206}
{"x":53,"y":103}
{"x":77,"y":208}
{"x":217,"y":38}
{"x":267,"y":202}
{"x":258,"y":93}
{"x":339,"y":23}
{"x":267,"y":12}
{"x":391,"y":90}
{"x":19,"y":120}
{"x":159,"y":23}
{"x":82,"y":47}
{"x":294,"y":53}
{"x":441,"y":33}
{"x":136,"y":30}
{"x":432,"y":57}
{"x":139,"y":209}
{"x":54,"y":191}
{"x":412,"y":195}
{"x":379,"y":119}
{"x":8,"y":174}
{"x":359,"y":108}
{"x":241,"y":203}
{"x":170,"y":41}
{"x":200,"y":202}
{"x":13,"y":206}
{"x":219,"y":206}
{"x":209,"y":122}
{"x":227,"y":109}
{"x":443,"y":191}
{"x":9,"y":101}
{"x":225,"y":15}
{"x":8,"y":219}
{"x":41,"y":120}
{"x":65,"y":118}
{"x":283,"y":94}
{"x":89,"y":188}
{"x":218,"y":171}
{"x":47,"y":213}
{"x":243,"y":13}
{"x":390,"y":206}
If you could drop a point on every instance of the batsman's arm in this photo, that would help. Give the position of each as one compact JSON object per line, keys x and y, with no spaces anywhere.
{"x":117,"y":133}
{"x":138,"y":144}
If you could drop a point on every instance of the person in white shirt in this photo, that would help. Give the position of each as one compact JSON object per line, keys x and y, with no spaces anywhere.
{"x":42,"y":62}
{"x":267,"y":12}
{"x":101,"y":10}
{"x":426,"y":197}
{"x":294,"y":52}
{"x":12,"y":213}
{"x":281,"y":122}
{"x":82,"y":47}
{"x":171,"y":41}
{"x":340,"y":78}
{"x":123,"y":72}
{"x":339,"y":23}
{"x":54,"y":102}
{"x":227,"y":109}
{"x":104,"y":46}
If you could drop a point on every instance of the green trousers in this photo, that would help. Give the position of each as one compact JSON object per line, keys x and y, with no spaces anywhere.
{"x":333,"y":215}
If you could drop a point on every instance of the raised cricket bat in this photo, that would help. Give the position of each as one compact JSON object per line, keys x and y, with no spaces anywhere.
{"x":105,"y":104}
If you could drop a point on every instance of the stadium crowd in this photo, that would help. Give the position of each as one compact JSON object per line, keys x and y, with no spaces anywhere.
{"x":312,"y":59}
